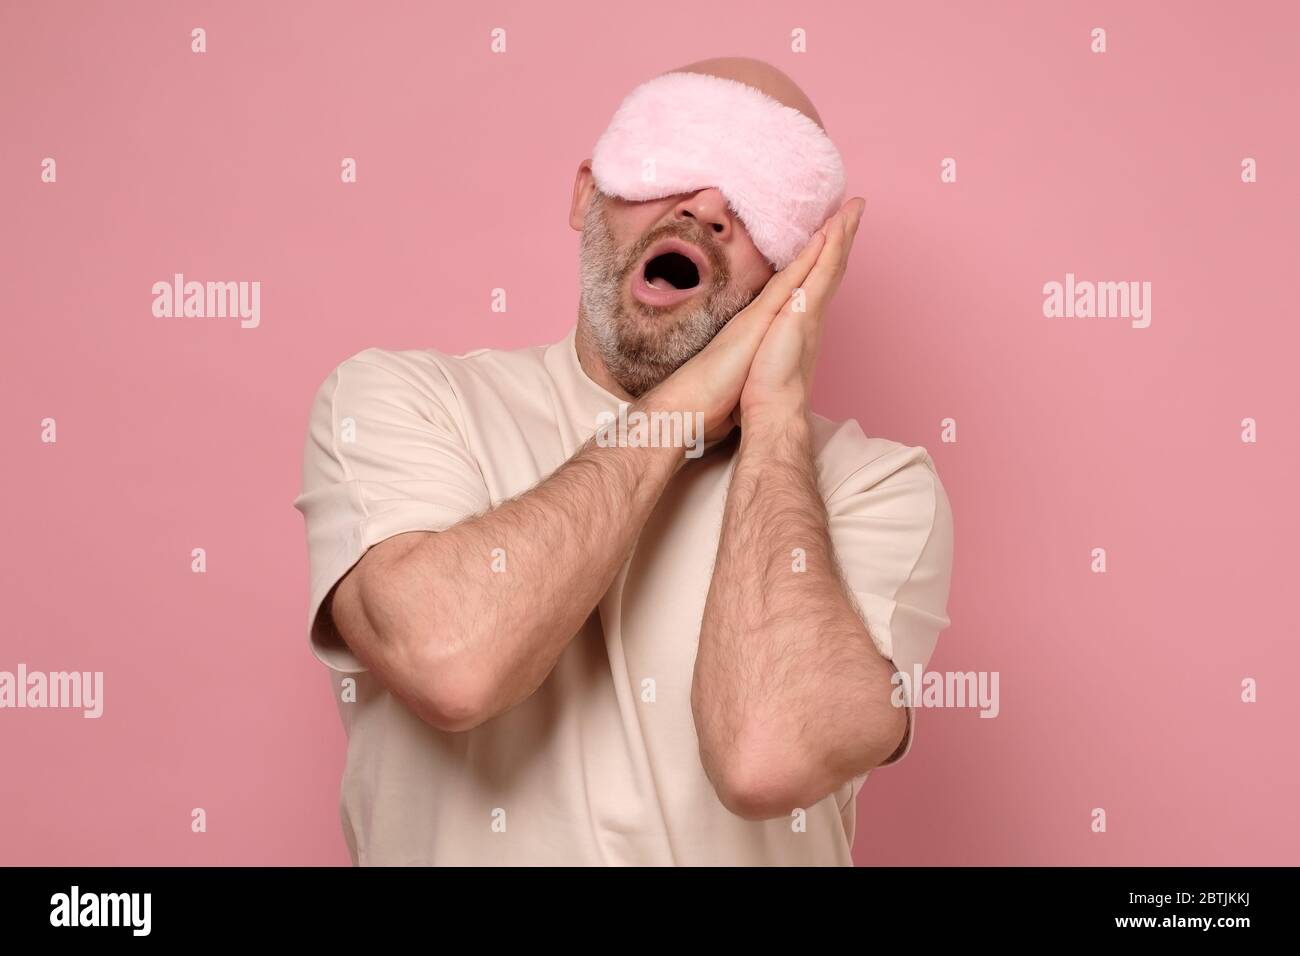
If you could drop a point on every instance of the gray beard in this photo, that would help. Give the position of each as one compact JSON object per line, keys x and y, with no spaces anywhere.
{"x":640,"y":351}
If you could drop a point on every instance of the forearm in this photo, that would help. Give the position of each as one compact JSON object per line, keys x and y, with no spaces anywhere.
{"x":469,"y":621}
{"x":790,"y":696}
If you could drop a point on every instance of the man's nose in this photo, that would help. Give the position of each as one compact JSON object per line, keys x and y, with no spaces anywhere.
{"x":708,"y":207}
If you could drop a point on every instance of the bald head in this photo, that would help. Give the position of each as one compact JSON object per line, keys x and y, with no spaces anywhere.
{"x":760,"y":75}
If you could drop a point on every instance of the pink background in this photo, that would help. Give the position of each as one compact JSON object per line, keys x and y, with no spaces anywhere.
{"x":1119,"y":691}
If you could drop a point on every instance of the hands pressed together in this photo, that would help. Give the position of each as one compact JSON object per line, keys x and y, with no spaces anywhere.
{"x":462,"y":654}
{"x":759,"y":368}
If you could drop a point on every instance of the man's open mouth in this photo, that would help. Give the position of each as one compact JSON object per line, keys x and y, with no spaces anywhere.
{"x":672,"y":272}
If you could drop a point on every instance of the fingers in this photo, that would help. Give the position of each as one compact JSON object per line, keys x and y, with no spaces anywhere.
{"x":751,"y":322}
{"x":822,"y":258}
{"x":829,"y":269}
{"x":781,"y":286}
{"x":858,"y":213}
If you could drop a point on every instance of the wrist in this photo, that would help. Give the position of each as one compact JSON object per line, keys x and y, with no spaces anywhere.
{"x":653,"y":431}
{"x":785,"y":426}
{"x":780,"y":414}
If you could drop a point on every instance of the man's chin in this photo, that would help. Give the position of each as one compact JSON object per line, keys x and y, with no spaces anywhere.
{"x":642,"y":362}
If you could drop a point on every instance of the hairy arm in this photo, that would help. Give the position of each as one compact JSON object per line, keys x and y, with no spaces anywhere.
{"x":790,"y":696}
{"x":463,"y":624}
{"x":460,"y":642}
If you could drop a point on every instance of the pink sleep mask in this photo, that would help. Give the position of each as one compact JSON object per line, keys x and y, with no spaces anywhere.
{"x":681,"y":132}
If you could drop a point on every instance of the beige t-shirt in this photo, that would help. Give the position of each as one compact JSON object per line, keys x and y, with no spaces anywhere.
{"x":601,"y":765}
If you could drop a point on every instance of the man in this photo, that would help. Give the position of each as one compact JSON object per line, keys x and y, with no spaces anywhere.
{"x":572,"y":646}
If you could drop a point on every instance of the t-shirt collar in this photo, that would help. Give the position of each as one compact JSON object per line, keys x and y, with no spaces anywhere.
{"x":582,"y":396}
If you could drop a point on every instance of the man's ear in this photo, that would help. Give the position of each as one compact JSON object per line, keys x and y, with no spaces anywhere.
{"x":584,"y":186}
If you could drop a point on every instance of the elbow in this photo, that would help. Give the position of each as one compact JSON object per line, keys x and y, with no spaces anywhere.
{"x":754,"y":802}
{"x":761,"y":783}
{"x":434,"y":671}
{"x":443,"y":681}
{"x":768,"y":779}
{"x":453,"y":710}
{"x":456,"y":697}
{"x":448,"y":692}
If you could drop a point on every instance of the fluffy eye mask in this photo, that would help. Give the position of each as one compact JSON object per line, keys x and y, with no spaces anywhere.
{"x":680,"y":132}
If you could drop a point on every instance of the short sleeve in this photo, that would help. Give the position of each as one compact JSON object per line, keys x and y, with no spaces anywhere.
{"x":891,"y":526}
{"x":386,"y":453}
